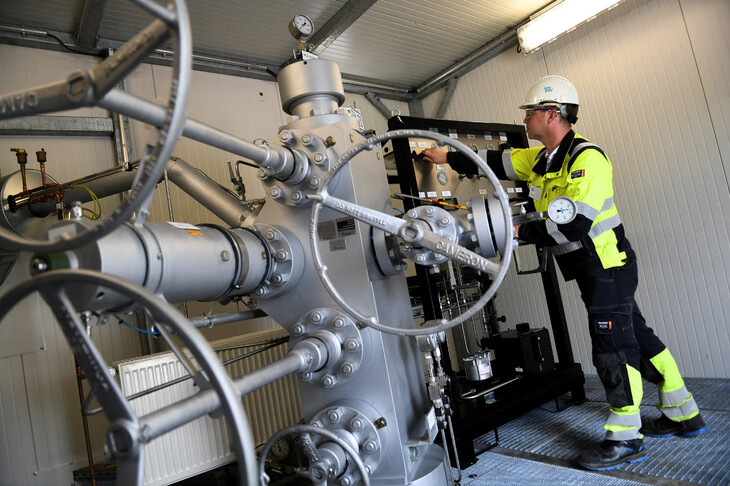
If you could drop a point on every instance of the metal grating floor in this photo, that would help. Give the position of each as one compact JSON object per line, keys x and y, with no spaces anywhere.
{"x":540,"y":447}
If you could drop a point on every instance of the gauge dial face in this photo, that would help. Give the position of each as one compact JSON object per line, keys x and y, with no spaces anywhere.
{"x":562,"y":210}
{"x":281,"y":448}
{"x":301,"y":26}
{"x":442,"y":177}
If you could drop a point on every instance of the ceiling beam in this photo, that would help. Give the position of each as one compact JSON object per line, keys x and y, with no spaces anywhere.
{"x":375,"y":101}
{"x":471,"y":61}
{"x":64,"y":41}
{"x":448,"y":94}
{"x":338,"y":24}
{"x":90,"y":23}
{"x":58,"y":126}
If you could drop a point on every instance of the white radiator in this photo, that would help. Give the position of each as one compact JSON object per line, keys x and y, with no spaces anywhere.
{"x":203,"y":444}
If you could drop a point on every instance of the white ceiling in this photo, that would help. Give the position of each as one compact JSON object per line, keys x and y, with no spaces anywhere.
{"x":398,"y":43}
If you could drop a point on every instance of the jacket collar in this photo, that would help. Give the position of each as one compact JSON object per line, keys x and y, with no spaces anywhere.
{"x":556,"y":163}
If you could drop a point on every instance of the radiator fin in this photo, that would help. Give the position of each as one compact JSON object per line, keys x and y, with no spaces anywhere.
{"x":204,"y":444}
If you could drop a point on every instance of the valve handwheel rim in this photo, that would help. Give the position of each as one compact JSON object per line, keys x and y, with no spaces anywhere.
{"x":434,"y":326}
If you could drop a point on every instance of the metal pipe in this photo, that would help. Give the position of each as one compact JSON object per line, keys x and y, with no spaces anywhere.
{"x":102,"y":184}
{"x":173,"y":416}
{"x":220,"y":60}
{"x":207,"y":192}
{"x":210,"y":321}
{"x":87,"y":438}
{"x":276,"y":160}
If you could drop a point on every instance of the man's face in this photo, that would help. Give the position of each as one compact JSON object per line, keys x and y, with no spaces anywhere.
{"x":536,"y":118}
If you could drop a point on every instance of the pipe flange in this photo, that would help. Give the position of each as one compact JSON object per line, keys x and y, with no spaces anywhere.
{"x":343,"y":341}
{"x":313,"y":157}
{"x":286,"y":258}
{"x":358,"y":424}
{"x":387,"y":254}
{"x":488,"y":228}
{"x":440,"y":222}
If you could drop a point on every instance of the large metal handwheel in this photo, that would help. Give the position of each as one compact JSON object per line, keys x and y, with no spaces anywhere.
{"x":412,"y":233}
{"x":86,"y":88}
{"x":125,"y":438}
{"x":311,"y":429}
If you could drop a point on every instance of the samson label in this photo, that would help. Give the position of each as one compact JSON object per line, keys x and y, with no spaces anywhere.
{"x":358,"y":213}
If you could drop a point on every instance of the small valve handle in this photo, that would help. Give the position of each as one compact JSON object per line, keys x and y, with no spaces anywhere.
{"x":21,"y":154}
{"x":41,"y":156}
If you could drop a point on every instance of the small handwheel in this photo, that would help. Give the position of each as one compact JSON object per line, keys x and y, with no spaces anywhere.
{"x":412,"y":232}
{"x":311,"y":429}
{"x":124,"y":437}
{"x":84,"y":88}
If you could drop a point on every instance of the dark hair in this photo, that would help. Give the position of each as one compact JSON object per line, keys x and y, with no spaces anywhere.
{"x":571,"y":110}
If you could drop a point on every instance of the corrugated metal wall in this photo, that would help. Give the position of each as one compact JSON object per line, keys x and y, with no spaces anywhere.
{"x":41,"y":434}
{"x":653,"y":81}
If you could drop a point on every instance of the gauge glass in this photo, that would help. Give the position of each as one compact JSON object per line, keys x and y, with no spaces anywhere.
{"x":301,"y":26}
{"x":281,"y":448}
{"x":562,"y":210}
{"x":442,"y":177}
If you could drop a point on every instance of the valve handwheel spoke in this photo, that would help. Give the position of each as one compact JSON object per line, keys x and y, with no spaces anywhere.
{"x":124,"y":436}
{"x":86,"y":88}
{"x":412,"y":232}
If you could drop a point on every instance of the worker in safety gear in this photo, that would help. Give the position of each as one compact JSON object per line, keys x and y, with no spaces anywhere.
{"x":593,"y":250}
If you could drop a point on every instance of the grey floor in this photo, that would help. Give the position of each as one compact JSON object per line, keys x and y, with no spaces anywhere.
{"x":540,"y":447}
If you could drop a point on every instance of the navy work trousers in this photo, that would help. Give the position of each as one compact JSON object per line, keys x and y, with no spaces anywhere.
{"x":619,"y":334}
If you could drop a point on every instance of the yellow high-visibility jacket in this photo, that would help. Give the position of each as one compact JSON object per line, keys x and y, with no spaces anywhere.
{"x":578,"y":170}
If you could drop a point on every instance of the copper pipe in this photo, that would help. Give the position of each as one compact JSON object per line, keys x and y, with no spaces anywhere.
{"x":79,"y":380}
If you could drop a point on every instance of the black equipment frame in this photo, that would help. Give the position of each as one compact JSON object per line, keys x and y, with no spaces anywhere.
{"x":474,"y":418}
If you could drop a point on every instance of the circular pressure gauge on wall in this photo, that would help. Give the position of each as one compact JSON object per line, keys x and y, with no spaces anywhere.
{"x":301,"y":27}
{"x":562,"y":210}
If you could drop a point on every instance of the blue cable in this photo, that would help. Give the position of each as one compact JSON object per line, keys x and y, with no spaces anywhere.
{"x":122,"y":321}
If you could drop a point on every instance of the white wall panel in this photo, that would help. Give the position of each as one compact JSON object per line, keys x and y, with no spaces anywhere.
{"x":38,"y":394}
{"x":706,"y":22}
{"x":652,"y":91}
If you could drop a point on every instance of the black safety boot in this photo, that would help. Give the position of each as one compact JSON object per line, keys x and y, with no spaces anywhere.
{"x":666,"y":427}
{"x":612,"y":453}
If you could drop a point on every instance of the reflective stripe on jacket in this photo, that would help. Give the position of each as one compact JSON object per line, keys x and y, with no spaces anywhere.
{"x":578,"y":170}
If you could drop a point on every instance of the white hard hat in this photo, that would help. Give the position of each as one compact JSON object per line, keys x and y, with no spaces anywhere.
{"x":551,"y":90}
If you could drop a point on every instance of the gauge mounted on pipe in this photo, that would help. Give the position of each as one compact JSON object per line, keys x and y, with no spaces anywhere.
{"x":301,"y":26}
{"x":562,"y":210}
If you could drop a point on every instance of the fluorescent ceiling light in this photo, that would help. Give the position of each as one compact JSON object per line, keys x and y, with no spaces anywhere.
{"x":560,"y":17}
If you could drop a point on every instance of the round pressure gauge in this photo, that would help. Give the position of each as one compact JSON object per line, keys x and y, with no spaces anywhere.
{"x":562,"y":210}
{"x":442,"y":177}
{"x":281,"y":448}
{"x":301,"y":26}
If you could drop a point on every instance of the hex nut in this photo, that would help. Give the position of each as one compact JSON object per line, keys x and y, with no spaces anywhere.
{"x":328,"y":381}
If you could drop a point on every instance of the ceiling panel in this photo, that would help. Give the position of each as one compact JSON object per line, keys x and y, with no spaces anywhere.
{"x":59,"y":15}
{"x":406,"y":42}
{"x":400,"y":43}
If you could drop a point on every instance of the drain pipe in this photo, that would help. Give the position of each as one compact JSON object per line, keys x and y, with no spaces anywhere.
{"x":207,"y":192}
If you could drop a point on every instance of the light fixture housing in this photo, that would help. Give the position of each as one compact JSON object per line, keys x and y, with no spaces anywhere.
{"x":558,"y":18}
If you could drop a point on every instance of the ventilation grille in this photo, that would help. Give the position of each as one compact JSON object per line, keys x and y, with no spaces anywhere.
{"x":204,"y":443}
